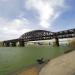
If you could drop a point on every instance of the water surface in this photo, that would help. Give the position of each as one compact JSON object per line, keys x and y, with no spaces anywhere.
{"x":13,"y":59}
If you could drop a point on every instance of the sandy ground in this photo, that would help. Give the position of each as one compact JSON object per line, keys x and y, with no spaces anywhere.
{"x":32,"y":70}
{"x":63,"y":65}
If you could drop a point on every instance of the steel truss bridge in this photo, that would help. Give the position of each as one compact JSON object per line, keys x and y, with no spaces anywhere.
{"x":40,"y":35}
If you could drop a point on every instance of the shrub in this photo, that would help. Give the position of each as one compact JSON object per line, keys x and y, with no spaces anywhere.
{"x":72,"y":44}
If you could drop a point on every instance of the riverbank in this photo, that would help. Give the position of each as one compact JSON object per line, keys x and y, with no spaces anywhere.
{"x":31,"y":70}
{"x":63,"y":65}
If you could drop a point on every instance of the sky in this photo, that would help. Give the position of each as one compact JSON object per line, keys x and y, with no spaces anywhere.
{"x":20,"y":16}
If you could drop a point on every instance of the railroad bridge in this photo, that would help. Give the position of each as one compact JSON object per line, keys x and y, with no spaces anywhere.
{"x":36,"y":35}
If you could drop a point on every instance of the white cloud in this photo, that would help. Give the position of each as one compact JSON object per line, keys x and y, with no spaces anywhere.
{"x":47,"y":9}
{"x":13,"y":29}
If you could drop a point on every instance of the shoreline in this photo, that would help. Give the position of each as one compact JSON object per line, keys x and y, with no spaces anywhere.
{"x":35,"y":68}
{"x":31,"y":69}
{"x":63,"y":65}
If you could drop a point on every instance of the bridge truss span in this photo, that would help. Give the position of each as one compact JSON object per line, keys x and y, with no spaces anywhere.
{"x":36,"y":35}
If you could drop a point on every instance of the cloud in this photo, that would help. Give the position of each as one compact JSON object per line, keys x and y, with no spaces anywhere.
{"x":20,"y":16}
{"x":13,"y":29}
{"x":48,"y":10}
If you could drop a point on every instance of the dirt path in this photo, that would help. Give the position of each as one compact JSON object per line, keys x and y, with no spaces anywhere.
{"x":63,"y":65}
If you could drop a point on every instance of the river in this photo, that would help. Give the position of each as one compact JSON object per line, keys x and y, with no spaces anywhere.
{"x":13,"y":59}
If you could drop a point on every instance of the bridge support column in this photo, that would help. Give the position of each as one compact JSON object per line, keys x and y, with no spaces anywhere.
{"x":13,"y":44}
{"x":21,"y":43}
{"x":56,"y":41}
{"x":3,"y":44}
{"x":6,"y":44}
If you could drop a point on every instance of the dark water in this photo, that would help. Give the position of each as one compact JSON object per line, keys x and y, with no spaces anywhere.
{"x":15,"y":58}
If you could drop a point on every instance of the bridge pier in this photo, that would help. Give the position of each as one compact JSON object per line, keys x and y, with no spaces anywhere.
{"x":13,"y":44}
{"x":9,"y":44}
{"x":6,"y":44}
{"x":56,"y":41}
{"x":21,"y":43}
{"x":3,"y":44}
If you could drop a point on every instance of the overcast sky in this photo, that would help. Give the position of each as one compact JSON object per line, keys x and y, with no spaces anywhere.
{"x":20,"y":16}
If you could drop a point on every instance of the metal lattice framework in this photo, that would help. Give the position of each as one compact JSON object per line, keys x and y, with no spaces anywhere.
{"x":66,"y":33}
{"x":41,"y":35}
{"x":37,"y":35}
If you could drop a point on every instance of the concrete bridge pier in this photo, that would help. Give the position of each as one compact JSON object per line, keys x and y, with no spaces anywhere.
{"x":3,"y":44}
{"x":9,"y":44}
{"x":21,"y":43}
{"x":6,"y":44}
{"x":57,"y":41}
{"x":13,"y":44}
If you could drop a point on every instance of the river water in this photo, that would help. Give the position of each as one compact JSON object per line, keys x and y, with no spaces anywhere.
{"x":13,"y":59}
